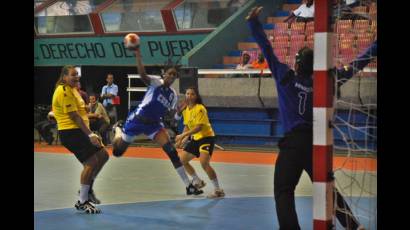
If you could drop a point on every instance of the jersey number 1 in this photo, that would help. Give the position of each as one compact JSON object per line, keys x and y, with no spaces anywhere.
{"x":302,"y":102}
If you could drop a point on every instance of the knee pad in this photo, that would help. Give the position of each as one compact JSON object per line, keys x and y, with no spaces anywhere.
{"x":172,"y":153}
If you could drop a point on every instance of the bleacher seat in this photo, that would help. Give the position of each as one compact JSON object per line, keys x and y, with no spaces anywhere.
{"x":297,"y":28}
{"x":282,"y":13}
{"x":360,"y":10}
{"x":234,"y":53}
{"x":280,"y":51}
{"x":294,"y":1}
{"x":373,"y":11}
{"x":281,"y":38}
{"x":295,"y":47}
{"x":373,"y":26}
{"x":345,"y":44}
{"x":268,"y":26}
{"x":343,"y":26}
{"x":310,"y":28}
{"x":361,"y":26}
{"x":284,"y":44}
{"x":365,"y":36}
{"x":297,"y":38}
{"x":347,"y":37}
{"x":247,"y":45}
{"x":290,"y":7}
{"x":250,"y":39}
{"x":281,"y":26}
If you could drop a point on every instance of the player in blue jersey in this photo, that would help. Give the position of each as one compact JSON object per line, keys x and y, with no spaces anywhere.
{"x":295,"y":91}
{"x":146,"y":119}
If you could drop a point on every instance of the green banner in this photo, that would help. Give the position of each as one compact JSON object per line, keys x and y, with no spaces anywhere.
{"x":155,"y":50}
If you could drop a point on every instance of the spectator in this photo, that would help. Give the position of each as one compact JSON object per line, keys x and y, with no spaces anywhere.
{"x":44,"y":127}
{"x":304,"y":13}
{"x":99,"y":120}
{"x":245,"y":61}
{"x":83,"y":94}
{"x":260,"y":63}
{"x":108,"y":93}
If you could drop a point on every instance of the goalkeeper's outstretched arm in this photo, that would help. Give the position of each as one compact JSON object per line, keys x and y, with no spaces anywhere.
{"x":348,"y":71}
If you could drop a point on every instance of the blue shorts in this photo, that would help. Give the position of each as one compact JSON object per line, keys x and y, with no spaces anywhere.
{"x":134,"y":127}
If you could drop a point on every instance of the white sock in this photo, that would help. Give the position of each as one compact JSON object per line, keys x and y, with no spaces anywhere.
{"x":196,"y":178}
{"x":181,"y":172}
{"x":84,"y":192}
{"x":215,"y":183}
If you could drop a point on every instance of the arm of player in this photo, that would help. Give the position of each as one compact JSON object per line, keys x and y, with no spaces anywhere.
{"x":264,"y":44}
{"x":141,"y":68}
{"x":179,"y":109}
{"x":348,"y":71}
{"x":188,"y":133}
{"x":180,"y":141}
{"x":79,"y":121}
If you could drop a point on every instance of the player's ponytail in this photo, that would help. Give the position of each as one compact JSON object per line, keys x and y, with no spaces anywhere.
{"x":64,"y":71}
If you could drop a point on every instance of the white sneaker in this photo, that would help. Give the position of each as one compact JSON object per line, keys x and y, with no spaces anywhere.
{"x":199,"y":184}
{"x":218,"y":193}
{"x":117,"y":129}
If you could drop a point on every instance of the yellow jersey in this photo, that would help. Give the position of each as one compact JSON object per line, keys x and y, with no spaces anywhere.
{"x":198,"y":115}
{"x":65,"y":100}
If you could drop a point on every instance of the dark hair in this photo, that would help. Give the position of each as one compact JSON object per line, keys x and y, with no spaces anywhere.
{"x":94,"y":95}
{"x":198,"y":96}
{"x":304,"y":58}
{"x":64,"y":71}
{"x":171,"y":65}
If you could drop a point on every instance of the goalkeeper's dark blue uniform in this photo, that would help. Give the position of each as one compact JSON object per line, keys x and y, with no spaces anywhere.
{"x":295,"y":95}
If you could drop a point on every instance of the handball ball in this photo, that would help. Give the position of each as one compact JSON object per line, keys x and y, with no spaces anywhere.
{"x":132,"y":41}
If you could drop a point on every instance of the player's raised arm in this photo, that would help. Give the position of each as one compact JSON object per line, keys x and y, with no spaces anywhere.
{"x":361,"y":61}
{"x":264,"y":44}
{"x":141,"y":68}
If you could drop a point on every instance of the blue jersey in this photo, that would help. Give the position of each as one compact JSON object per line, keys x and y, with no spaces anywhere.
{"x":157,"y":100}
{"x":294,"y":93}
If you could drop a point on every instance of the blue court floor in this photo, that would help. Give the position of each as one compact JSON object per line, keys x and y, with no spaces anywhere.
{"x":227,"y":213}
{"x":147,"y":194}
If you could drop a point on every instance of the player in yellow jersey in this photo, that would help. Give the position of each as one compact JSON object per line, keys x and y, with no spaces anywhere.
{"x":70,"y":113}
{"x":200,"y":138}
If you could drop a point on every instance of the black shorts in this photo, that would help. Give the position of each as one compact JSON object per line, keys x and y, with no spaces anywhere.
{"x":77,"y":142}
{"x":204,"y":145}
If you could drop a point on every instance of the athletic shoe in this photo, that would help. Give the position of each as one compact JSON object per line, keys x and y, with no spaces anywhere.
{"x":192,"y":190}
{"x":218,"y":193}
{"x":87,"y":207}
{"x":200,"y":184}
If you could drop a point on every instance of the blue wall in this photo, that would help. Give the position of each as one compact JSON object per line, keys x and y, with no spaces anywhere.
{"x":246,"y":126}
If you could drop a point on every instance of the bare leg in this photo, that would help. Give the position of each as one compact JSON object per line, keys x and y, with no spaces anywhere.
{"x":185,"y":158}
{"x":205,"y":159}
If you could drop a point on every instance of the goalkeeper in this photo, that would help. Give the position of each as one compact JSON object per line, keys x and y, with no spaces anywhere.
{"x":295,"y":91}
